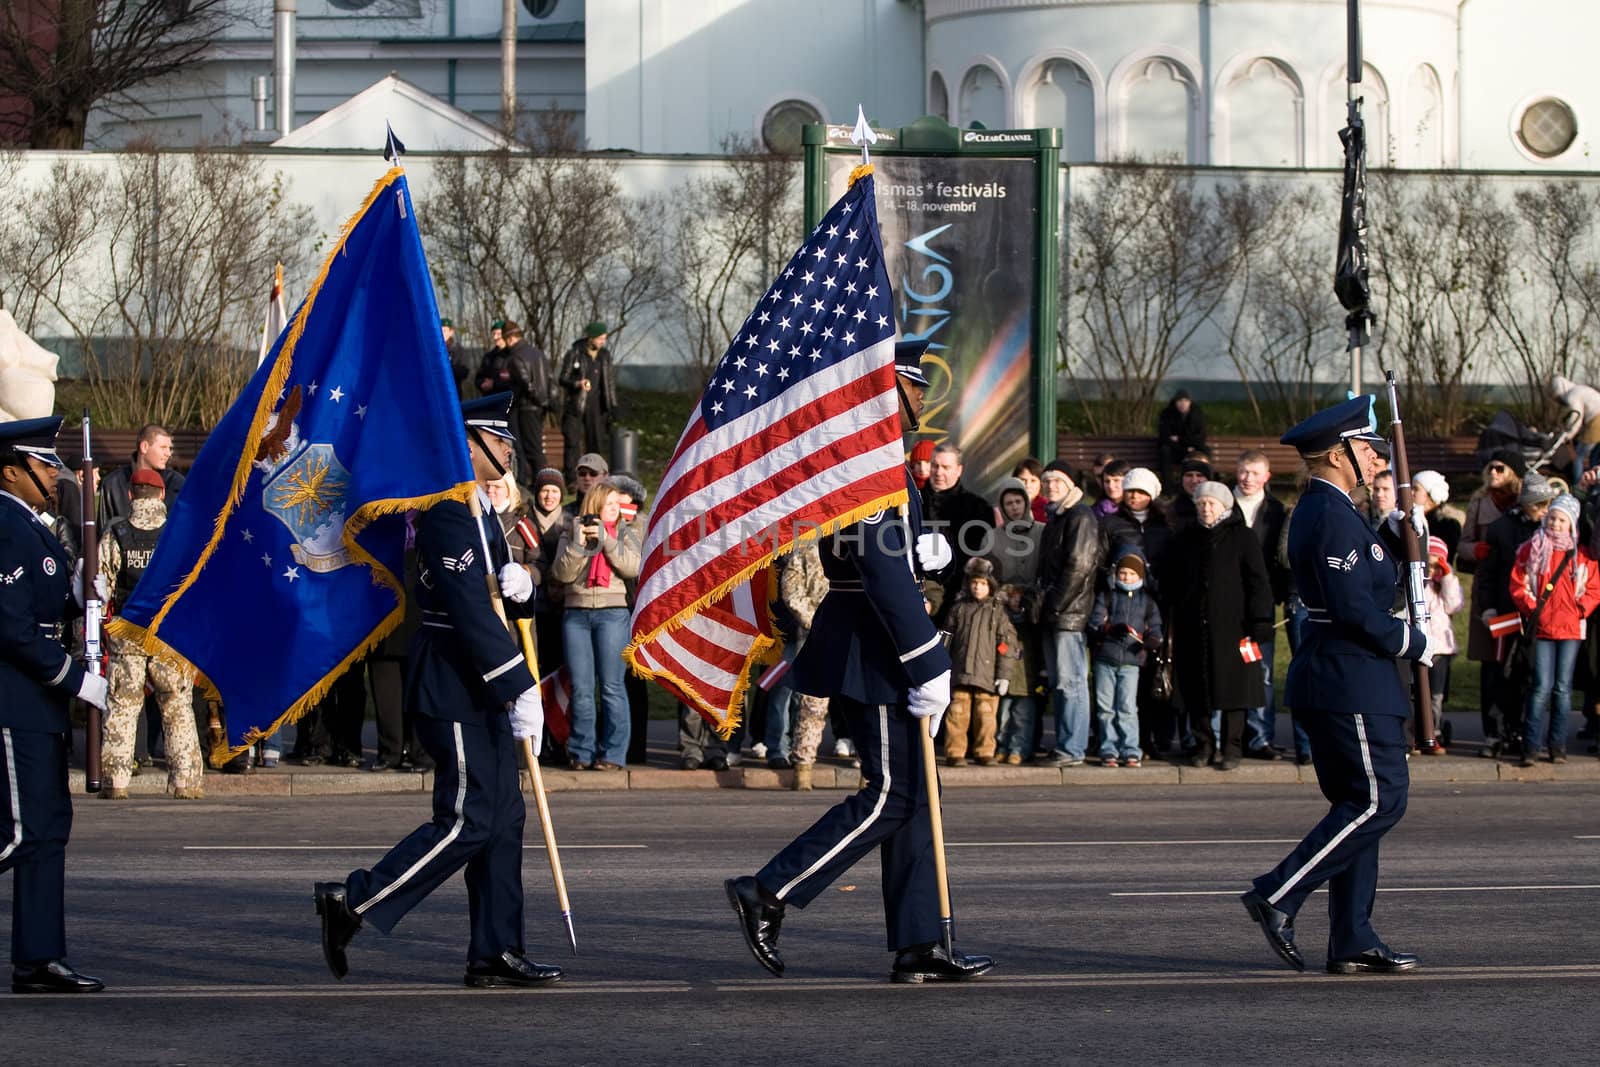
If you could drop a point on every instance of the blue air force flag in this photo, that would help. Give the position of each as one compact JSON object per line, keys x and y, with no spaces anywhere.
{"x":281,"y":562}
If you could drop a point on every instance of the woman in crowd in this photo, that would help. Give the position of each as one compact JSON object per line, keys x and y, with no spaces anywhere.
{"x":1111,"y":476}
{"x":597,"y":552}
{"x":1221,"y":615}
{"x":1554,"y":579}
{"x":1030,"y":472}
{"x":634,"y":498}
{"x":1502,"y":483}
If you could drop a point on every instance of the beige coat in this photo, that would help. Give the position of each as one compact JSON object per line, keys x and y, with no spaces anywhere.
{"x":571,"y":567}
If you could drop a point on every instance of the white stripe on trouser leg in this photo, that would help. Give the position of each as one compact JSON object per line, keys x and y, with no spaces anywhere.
{"x":1372,"y":809}
{"x":872,"y":816}
{"x":16,"y":797}
{"x":455,"y":830}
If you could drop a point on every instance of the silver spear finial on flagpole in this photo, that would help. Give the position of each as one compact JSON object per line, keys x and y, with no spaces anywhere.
{"x":862,"y":134}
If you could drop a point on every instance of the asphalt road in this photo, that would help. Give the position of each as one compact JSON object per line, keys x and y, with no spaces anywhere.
{"x":1112,"y":912}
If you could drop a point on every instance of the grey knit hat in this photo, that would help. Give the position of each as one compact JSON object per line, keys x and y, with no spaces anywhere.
{"x":1567,"y":504}
{"x":1216,"y":490}
{"x":1536,"y":489}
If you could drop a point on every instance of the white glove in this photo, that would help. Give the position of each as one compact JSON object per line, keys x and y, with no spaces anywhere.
{"x":933,"y":552}
{"x":93,"y":690}
{"x":1428,"y":650}
{"x":1002,"y":686}
{"x":102,"y":591}
{"x":930,"y":700}
{"x":1419,"y":522}
{"x":527,"y":718}
{"x":516,"y":585}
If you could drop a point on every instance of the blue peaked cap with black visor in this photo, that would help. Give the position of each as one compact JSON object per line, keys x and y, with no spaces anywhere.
{"x":33,"y":437}
{"x":1353,"y":420}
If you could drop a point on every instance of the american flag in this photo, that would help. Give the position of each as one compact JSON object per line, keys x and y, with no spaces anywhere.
{"x":798,"y":433}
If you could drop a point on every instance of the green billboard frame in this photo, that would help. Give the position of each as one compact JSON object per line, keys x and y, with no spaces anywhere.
{"x":932,"y":136}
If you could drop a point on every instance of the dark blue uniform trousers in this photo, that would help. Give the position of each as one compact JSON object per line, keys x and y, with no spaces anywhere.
{"x":1361,"y":769}
{"x":891,"y":813}
{"x":477,"y":824}
{"x":35,"y":822}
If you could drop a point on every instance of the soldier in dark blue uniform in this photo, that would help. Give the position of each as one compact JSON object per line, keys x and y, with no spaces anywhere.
{"x":38,"y":679}
{"x":874,"y":651}
{"x":1344,"y":688}
{"x":475,"y":700}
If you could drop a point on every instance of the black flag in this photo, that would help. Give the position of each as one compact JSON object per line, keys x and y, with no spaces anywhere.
{"x":393,"y":147}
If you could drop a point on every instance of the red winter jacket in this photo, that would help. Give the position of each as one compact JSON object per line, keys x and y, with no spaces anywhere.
{"x":1569,"y":604}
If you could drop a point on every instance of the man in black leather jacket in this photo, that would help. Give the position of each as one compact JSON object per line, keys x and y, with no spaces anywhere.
{"x":1069,"y":565}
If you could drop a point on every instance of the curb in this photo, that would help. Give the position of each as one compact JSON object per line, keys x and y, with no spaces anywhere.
{"x":312,"y":783}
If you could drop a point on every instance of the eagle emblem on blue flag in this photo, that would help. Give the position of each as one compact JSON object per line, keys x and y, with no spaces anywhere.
{"x":307,"y":494}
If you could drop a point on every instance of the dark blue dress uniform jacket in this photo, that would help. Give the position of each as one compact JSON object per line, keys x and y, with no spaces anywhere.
{"x":1347,"y":576}
{"x":464,"y":665}
{"x":37,"y":677}
{"x":37,"y":680}
{"x":872,"y":638}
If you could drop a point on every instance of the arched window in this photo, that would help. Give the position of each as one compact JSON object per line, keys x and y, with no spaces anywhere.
{"x":1159,"y":112}
{"x":1374,"y":94}
{"x":983,"y":99}
{"x":1063,"y":96}
{"x":1424,"y":119}
{"x":938,"y":97}
{"x":1264,"y":113}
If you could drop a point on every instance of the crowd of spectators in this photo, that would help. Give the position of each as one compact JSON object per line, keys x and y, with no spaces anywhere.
{"x":1107,"y":616}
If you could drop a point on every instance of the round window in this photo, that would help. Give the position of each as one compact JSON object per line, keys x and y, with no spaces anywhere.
{"x":539,"y":9}
{"x":1548,"y":128}
{"x":780,"y":130}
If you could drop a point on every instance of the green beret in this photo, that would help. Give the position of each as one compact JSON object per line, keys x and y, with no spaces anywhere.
{"x":595,"y":329}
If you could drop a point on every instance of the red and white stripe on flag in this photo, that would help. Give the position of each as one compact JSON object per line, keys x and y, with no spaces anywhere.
{"x":798,"y":433}
{"x":1249,"y":651}
{"x":555,"y":692}
{"x":772,"y":675}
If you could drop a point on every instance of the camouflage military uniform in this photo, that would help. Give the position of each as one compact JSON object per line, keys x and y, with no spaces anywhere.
{"x":131,"y":666}
{"x":802,"y":587}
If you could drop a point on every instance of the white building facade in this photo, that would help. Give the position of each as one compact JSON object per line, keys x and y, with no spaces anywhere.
{"x":1479,"y":84}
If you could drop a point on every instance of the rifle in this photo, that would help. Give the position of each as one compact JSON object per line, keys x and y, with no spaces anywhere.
{"x":1416,"y":575}
{"x":93,"y":612}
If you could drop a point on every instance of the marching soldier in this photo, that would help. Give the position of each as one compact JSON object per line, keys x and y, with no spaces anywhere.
{"x":874,"y":651}
{"x":1344,"y":688}
{"x":465,"y":674}
{"x":125,"y":552}
{"x":38,"y":679}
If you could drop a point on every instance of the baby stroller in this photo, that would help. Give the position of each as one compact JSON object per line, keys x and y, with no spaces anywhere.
{"x":1537,"y":449}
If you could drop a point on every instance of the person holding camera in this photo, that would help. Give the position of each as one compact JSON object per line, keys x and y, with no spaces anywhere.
{"x":597,"y":552}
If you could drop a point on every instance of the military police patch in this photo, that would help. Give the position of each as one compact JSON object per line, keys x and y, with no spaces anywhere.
{"x":1377,"y":552}
{"x":49,"y":563}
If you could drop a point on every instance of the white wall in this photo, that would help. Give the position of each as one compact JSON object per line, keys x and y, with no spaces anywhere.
{"x":667,"y":76}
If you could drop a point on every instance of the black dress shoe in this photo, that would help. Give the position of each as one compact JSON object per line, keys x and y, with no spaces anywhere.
{"x":932,"y":964}
{"x":1278,"y":927}
{"x":1265,"y":752}
{"x":1380,"y":960}
{"x":717,"y":763}
{"x":53,"y":977}
{"x":380,"y":765}
{"x":760,"y":918}
{"x":339,"y":924}
{"x":511,"y":969}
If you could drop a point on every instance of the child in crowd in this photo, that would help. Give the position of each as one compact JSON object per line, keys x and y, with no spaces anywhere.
{"x":1019,"y":705}
{"x":979,"y":632}
{"x":1124,"y":623}
{"x":1554,"y":578}
{"x":1443,"y":595}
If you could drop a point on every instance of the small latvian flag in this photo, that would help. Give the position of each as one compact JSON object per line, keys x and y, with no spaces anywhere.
{"x":1249,"y":651}
{"x":555,"y":690}
{"x":772,"y":675}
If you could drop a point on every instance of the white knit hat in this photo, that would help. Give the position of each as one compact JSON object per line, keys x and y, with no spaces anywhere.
{"x":1432,"y":483}
{"x":1142,"y":480}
